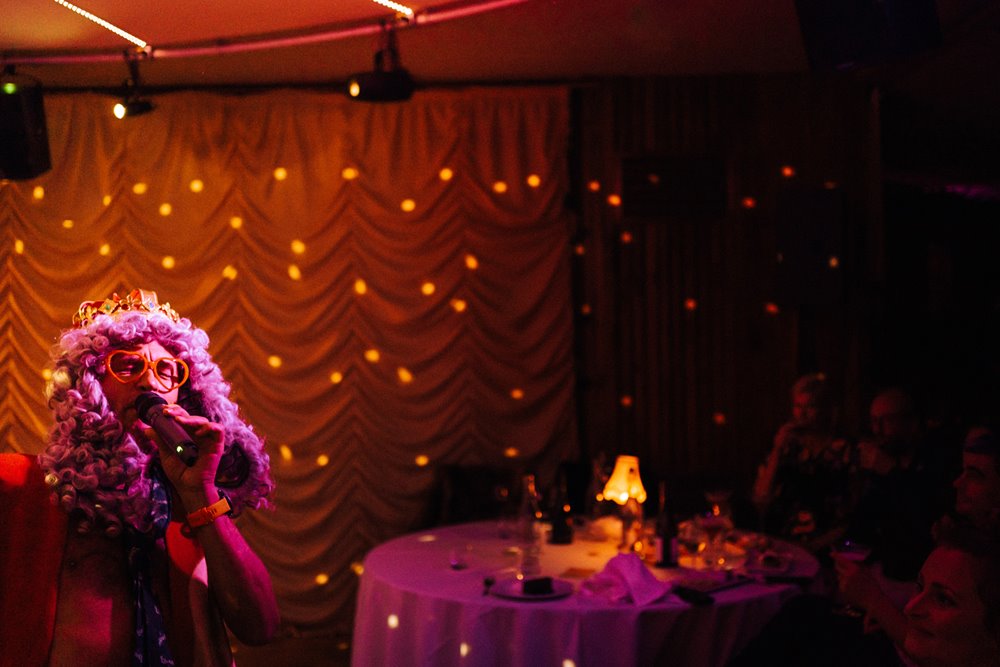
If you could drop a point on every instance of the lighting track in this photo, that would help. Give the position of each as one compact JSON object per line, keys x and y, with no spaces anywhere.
{"x":101,"y":22}
{"x":266,"y":41}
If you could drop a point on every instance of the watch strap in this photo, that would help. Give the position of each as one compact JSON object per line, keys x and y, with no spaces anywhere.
{"x":210,"y":513}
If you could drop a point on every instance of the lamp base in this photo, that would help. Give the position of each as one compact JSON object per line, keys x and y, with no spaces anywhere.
{"x":632,"y":527}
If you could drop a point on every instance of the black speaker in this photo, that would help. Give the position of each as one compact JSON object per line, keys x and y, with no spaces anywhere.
{"x":840,"y":34}
{"x":24,"y":139}
{"x":658,"y":187}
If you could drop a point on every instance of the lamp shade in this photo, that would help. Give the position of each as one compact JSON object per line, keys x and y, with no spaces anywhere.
{"x":625,"y":482}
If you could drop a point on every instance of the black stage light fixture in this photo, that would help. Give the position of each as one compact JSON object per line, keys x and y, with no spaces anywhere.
{"x":24,"y":139}
{"x":132,"y":107}
{"x":389,"y":81}
{"x":132,"y":102}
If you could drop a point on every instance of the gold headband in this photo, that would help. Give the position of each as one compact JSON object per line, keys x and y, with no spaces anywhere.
{"x":138,"y":300}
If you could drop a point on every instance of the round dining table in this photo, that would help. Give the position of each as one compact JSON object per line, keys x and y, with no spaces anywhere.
{"x":447,"y":596}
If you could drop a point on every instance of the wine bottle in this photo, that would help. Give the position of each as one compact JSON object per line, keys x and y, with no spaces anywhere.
{"x":529,"y":529}
{"x":562,"y":520}
{"x":665,"y":538}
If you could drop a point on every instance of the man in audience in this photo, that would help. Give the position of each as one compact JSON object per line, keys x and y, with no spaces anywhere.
{"x":977,"y":496}
{"x":901,"y":497}
{"x":896,"y":432}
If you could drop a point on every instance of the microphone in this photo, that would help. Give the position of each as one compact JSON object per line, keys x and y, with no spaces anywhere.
{"x":150,"y":407}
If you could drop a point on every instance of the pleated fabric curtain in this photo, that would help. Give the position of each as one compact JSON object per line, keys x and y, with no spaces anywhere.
{"x":697,"y":319}
{"x":385,"y":286}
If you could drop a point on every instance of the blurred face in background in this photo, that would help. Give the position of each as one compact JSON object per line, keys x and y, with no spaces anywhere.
{"x":806,"y":411}
{"x":894,"y":422}
{"x":977,"y":489}
{"x":946,"y":619}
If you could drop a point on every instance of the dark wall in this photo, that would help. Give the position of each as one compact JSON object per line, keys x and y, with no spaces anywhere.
{"x":940,"y":320}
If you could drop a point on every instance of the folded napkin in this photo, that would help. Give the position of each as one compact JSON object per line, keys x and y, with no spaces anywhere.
{"x":625,"y":579}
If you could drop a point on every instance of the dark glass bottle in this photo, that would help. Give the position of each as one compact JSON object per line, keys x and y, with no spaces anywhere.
{"x":529,"y":528}
{"x":665,"y":539}
{"x":562,"y":520}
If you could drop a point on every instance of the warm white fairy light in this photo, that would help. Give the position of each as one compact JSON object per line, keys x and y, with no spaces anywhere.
{"x":402,"y":9}
{"x":101,"y":22}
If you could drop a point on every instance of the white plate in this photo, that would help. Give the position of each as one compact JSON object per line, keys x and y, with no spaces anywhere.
{"x":510,"y":589}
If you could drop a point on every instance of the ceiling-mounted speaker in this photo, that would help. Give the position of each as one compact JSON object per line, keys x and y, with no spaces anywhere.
{"x":843,"y":34}
{"x":24,"y":139}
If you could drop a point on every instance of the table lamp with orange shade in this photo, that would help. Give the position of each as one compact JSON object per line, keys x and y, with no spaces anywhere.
{"x":624,"y":488}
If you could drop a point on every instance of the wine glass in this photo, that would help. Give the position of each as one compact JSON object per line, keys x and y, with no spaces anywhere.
{"x":716,"y":523}
{"x":506,"y":514}
{"x":719,"y":502}
{"x":713,"y":526}
{"x":857,"y":553}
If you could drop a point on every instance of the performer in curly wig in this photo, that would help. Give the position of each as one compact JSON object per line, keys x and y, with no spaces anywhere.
{"x":115,"y":551}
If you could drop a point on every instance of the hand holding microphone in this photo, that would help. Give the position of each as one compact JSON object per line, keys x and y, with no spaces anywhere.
{"x":151,"y":407}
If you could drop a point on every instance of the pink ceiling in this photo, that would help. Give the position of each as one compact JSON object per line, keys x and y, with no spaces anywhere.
{"x":514,"y":41}
{"x":528,"y":40}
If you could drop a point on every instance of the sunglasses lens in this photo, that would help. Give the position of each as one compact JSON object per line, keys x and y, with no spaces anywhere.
{"x":127,"y":366}
{"x":170,"y":372}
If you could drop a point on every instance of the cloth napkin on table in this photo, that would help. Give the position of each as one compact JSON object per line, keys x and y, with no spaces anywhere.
{"x":625,"y":579}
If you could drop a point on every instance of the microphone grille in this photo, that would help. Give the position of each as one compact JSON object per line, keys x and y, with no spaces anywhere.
{"x":147,"y":401}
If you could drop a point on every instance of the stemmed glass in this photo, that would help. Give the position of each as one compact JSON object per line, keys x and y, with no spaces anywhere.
{"x":507,"y":518}
{"x":716,"y":522}
{"x":857,"y":553}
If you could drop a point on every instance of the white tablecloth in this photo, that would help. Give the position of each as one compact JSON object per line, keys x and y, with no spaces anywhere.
{"x":415,"y":609}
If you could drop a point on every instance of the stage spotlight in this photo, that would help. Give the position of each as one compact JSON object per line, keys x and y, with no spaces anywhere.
{"x":135,"y":107}
{"x":389,"y":81}
{"x":24,"y":139}
{"x":132,"y":102}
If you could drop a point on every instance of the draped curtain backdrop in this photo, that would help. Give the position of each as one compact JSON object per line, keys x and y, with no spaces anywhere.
{"x":385,"y":286}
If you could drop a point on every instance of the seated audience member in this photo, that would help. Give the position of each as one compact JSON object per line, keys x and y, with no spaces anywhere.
{"x":808,"y":632}
{"x":977,"y":505}
{"x":802,"y":490}
{"x":900,"y":498}
{"x":900,"y":437}
{"x":896,"y":432}
{"x":977,"y":488}
{"x":952,"y":619}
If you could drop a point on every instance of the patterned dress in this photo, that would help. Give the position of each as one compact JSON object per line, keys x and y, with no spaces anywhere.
{"x":814,"y":485}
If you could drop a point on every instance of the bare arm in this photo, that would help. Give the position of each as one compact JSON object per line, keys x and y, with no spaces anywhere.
{"x":858,"y":586}
{"x":763,"y":488}
{"x":237,"y":578}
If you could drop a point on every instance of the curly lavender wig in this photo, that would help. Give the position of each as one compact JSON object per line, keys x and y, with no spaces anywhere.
{"x":98,"y":471}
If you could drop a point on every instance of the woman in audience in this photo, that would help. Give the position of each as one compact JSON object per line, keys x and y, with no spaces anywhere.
{"x":953,"y":613}
{"x":954,"y":619}
{"x":976,"y":511}
{"x":803,"y":489}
